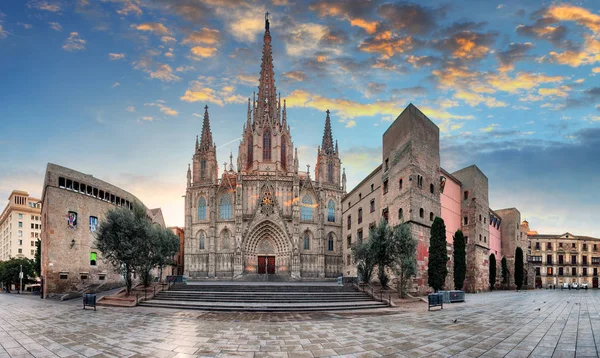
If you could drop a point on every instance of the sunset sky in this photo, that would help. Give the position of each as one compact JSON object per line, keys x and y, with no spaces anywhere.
{"x":116,"y":89}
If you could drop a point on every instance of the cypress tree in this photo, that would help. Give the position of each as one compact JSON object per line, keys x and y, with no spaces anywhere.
{"x":460,"y":260}
{"x":438,"y":257}
{"x":492,"y":271}
{"x":519,"y":268}
{"x":504,"y":271}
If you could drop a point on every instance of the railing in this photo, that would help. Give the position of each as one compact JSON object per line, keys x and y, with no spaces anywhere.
{"x":138,"y":294}
{"x":361,"y":288}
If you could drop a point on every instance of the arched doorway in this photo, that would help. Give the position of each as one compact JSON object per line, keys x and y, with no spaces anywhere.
{"x":267,"y":250}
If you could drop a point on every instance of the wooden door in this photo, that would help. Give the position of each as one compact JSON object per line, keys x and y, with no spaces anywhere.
{"x":262,"y":264}
{"x":271,"y":265}
{"x":595,"y":282}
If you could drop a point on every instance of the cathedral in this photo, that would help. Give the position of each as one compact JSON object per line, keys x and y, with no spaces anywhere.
{"x":264,"y":217}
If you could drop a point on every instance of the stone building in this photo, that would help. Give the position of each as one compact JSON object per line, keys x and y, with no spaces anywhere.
{"x":566,"y":258}
{"x":20,"y":226}
{"x":179,"y":258}
{"x":410,"y":186}
{"x":264,"y":216}
{"x":73,"y":205}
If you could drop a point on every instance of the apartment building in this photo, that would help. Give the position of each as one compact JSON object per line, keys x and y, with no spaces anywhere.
{"x":20,"y":226}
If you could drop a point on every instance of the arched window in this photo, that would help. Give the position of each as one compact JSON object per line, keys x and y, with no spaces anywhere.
{"x":330,"y":172}
{"x":330,"y":242}
{"x":202,"y":239}
{"x":283,"y":153}
{"x":225,"y":239}
{"x":306,"y":241}
{"x":430,"y":216}
{"x":267,"y":145}
{"x":431,"y":188}
{"x":421,"y":212}
{"x":225,"y":207}
{"x":307,"y":208}
{"x":202,"y":209}
{"x":331,"y":211}
{"x":250,"y":150}
{"x":203,"y":169}
{"x":400,"y":214}
{"x":400,"y":184}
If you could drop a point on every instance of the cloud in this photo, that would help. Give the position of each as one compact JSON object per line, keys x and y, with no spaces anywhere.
{"x":474,"y":99}
{"x":162,"y":71}
{"x":412,"y":19}
{"x":146,"y":118}
{"x":489,"y":128}
{"x":200,"y":91}
{"x":116,"y":56}
{"x":588,"y":54}
{"x":386,"y":44}
{"x":521,"y":81}
{"x":595,"y":70}
{"x":303,"y":39}
{"x":153,"y":27}
{"x":375,"y":88}
{"x":74,"y":43}
{"x":354,"y":11}
{"x":541,"y":29}
{"x":295,"y":75}
{"x":351,"y":123}
{"x":515,"y":52}
{"x":248,"y":80}
{"x":167,"y":39}
{"x":129,"y":7}
{"x":204,"y":36}
{"x":116,"y":84}
{"x":467,"y":45}
{"x":369,"y":26}
{"x":43,"y":5}
{"x":26,"y":26}
{"x":200,"y":52}
{"x":164,"y":109}
{"x":130,"y":109}
{"x":421,"y":61}
{"x":185,"y":68}
{"x":3,"y":33}
{"x":55,"y":26}
{"x":581,"y":16}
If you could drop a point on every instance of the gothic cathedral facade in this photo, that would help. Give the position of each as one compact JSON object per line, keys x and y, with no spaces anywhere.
{"x":265,"y":217}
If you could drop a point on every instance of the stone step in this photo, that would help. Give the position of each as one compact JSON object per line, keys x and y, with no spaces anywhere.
{"x":244,"y":288}
{"x":261,"y":307}
{"x":258,"y":299}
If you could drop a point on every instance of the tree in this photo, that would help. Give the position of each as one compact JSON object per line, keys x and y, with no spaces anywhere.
{"x":364,"y":260}
{"x":9,"y":272}
{"x":119,"y":237}
{"x":38,"y":258}
{"x":504,"y":272}
{"x":156,"y":251}
{"x":404,"y":249}
{"x":519,"y":268}
{"x":460,"y":260}
{"x":379,"y":243}
{"x":492,"y":271}
{"x":437,"y":270}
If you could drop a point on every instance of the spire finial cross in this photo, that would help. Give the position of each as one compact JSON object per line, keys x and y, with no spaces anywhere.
{"x":206,"y":107}
{"x":308,"y":169}
{"x":327,"y":111}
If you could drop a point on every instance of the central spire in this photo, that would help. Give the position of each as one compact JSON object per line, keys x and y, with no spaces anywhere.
{"x":327,"y":145}
{"x":267,"y":93}
{"x":206,"y":142}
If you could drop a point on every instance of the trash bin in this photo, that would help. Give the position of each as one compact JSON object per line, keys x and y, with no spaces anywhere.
{"x":456,"y":296}
{"x":89,"y":299}
{"x":435,"y":299}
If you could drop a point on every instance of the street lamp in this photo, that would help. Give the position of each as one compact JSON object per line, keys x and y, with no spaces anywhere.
{"x":21,"y":279}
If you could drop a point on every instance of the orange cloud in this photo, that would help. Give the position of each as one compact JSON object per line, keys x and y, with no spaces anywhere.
{"x":521,"y":81}
{"x":589,"y":54}
{"x":205,"y":36}
{"x":581,"y":16}
{"x":116,"y":56}
{"x":561,"y":91}
{"x":386,"y":44}
{"x":153,"y":27}
{"x":474,"y":99}
{"x":295,"y":75}
{"x":369,"y":26}
{"x":200,"y":91}
{"x":467,"y":48}
{"x":202,"y":52}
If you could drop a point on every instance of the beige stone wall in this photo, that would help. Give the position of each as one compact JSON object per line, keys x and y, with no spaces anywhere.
{"x":66,"y":250}
{"x":19,"y":241}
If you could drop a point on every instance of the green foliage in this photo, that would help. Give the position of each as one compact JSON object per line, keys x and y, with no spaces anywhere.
{"x":519,"y":268}
{"x":437,"y":270}
{"x":364,"y":260}
{"x":404,"y":252}
{"x":460,"y":259}
{"x":379,"y":242}
{"x":9,"y":272}
{"x":38,"y":258}
{"x":128,"y":240}
{"x":504,"y":271}
{"x":492,"y":271}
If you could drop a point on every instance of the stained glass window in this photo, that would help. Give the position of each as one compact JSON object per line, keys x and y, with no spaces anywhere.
{"x":331,"y":211}
{"x":307,"y":208}
{"x":225,"y":207}
{"x":202,"y":209}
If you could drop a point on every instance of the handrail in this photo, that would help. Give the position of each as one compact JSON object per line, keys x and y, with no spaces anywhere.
{"x":361,"y":287}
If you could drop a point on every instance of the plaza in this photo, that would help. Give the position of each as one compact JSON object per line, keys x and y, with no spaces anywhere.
{"x":496,"y":324}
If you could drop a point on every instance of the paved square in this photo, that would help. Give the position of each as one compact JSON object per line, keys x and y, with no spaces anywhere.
{"x":496,"y":324}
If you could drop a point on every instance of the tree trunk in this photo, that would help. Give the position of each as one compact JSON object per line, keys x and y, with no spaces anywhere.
{"x":128,"y":282}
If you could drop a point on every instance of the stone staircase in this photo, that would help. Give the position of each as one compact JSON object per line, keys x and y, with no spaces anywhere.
{"x":263,"y":297}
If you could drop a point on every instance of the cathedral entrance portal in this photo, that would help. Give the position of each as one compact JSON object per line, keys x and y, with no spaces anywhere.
{"x":267,"y":250}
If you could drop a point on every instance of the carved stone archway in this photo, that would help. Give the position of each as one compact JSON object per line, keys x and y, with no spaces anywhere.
{"x":267,"y":238}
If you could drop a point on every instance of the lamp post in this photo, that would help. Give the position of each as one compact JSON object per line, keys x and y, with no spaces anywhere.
{"x":21,"y":279}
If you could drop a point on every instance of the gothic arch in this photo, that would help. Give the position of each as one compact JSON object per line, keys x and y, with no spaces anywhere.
{"x":267,"y":230}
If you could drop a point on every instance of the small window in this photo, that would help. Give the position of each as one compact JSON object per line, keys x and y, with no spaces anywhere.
{"x":419,"y":181}
{"x":93,"y":224}
{"x":306,"y":241}
{"x":466,"y":220}
{"x":202,"y":241}
{"x":82,"y":188}
{"x":84,"y":277}
{"x":69,"y":184}
{"x":480,"y":218}
{"x":372,"y":187}
{"x":385,"y":214}
{"x":387,"y":162}
{"x":466,"y":194}
{"x":359,"y":196}
{"x":359,"y":236}
{"x":101,"y":195}
{"x":421,"y":212}
{"x":485,"y":239}
{"x":61,"y":182}
{"x":349,"y":221}
{"x":466,"y":240}
{"x":63,"y":276}
{"x":359,"y":215}
{"x":484,"y":219}
{"x":372,"y":205}
{"x":349,"y":241}
{"x":431,"y":188}
{"x":95,"y":193}
{"x":430,"y":216}
{"x":89,"y":190}
{"x":330,"y":243}
{"x":93,"y":258}
{"x":480,"y":237}
{"x":112,"y":198}
{"x":400,"y":214}
{"x":385,"y":186}
{"x":101,"y":277}
{"x":76,"y":186}
{"x":400,"y":184}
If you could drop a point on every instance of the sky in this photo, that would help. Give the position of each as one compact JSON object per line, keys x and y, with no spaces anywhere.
{"x":117,"y":88}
